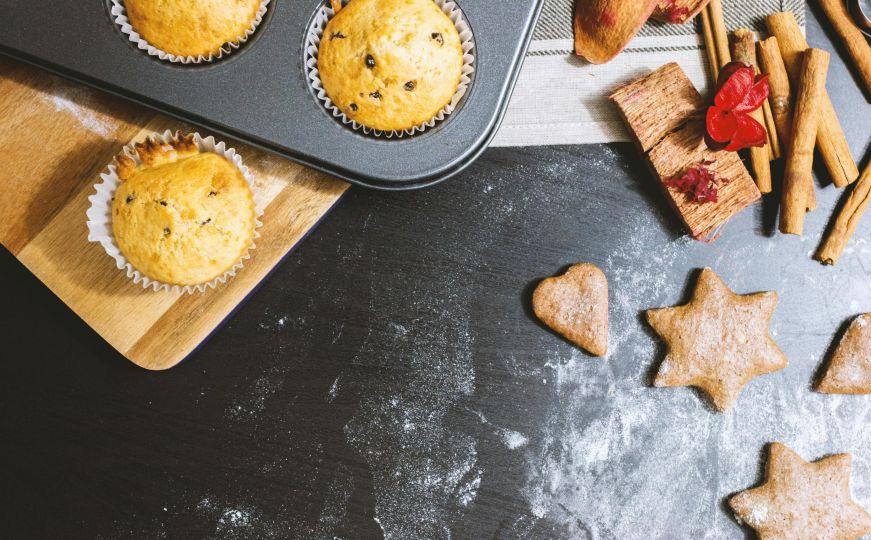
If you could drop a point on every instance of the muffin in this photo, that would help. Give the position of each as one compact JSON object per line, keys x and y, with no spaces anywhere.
{"x":390,"y":65}
{"x":181,"y":216}
{"x":192,"y":28}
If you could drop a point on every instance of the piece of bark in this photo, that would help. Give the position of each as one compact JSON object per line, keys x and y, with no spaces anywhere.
{"x":744,"y":51}
{"x":685,"y":148}
{"x":798,"y":178}
{"x":846,"y":220}
{"x":831,"y":141}
{"x":658,"y":103}
{"x":674,"y":142}
{"x":852,"y":38}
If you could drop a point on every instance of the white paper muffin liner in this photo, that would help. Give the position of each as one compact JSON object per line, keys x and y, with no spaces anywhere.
{"x":100,"y":214}
{"x":119,"y":15}
{"x":313,"y":41}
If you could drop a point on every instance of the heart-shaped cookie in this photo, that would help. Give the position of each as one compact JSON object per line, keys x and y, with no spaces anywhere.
{"x":575,"y":305}
{"x":604,"y":27}
{"x":849,"y":371}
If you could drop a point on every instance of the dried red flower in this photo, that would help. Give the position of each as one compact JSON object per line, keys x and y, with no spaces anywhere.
{"x":698,"y":182}
{"x":728,"y":122}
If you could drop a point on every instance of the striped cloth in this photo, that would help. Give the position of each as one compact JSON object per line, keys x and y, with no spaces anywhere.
{"x":560,"y":99}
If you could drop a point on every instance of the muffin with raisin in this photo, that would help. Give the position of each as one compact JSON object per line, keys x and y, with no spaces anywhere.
{"x":186,"y":28}
{"x":181,"y":216}
{"x":390,"y":65}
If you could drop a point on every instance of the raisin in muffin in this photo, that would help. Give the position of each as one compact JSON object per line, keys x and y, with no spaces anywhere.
{"x":181,"y":216}
{"x":390,"y":65}
{"x":191,"y":28}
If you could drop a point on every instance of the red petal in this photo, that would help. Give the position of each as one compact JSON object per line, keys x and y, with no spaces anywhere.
{"x":735,"y":88}
{"x":721,"y":125}
{"x":727,"y":71}
{"x":749,"y":133}
{"x":755,"y":97}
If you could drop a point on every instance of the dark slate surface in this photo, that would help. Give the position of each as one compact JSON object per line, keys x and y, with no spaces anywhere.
{"x":389,"y":377}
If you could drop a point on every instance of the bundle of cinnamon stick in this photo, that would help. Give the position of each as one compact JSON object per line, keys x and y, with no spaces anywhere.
{"x":799,"y":118}
{"x":742,"y":49}
{"x":813,"y":122}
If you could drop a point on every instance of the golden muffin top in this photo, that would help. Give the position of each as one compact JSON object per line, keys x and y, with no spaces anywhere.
{"x":390,"y":64}
{"x":191,"y":27}
{"x":180,"y":216}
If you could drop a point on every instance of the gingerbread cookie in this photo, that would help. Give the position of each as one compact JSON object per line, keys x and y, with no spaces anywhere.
{"x":801,"y":500}
{"x":575,"y":305}
{"x":717,"y":342}
{"x":849,"y":372}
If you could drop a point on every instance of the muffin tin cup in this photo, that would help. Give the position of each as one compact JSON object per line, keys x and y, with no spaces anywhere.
{"x":119,"y":15}
{"x":100,"y":214}
{"x":313,"y":40}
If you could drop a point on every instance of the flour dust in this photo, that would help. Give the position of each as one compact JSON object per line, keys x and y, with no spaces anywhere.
{"x":619,"y":459}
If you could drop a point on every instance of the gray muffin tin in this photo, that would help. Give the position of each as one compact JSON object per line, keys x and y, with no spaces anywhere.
{"x":259,"y":93}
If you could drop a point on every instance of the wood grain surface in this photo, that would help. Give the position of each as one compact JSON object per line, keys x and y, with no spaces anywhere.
{"x":56,"y":137}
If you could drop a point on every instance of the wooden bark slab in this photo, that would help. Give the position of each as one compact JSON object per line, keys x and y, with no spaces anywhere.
{"x":663,"y":111}
{"x":56,"y":137}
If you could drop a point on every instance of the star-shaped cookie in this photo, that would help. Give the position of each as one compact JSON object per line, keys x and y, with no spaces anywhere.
{"x":849,"y":372}
{"x":717,"y":342}
{"x":801,"y":500}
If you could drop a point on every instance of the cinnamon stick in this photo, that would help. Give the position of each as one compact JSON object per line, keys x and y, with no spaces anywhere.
{"x":773,"y":136}
{"x":853,"y":39}
{"x":721,"y":37}
{"x":710,"y":45}
{"x":846,"y":220}
{"x":831,"y":142}
{"x":780,"y":97}
{"x":798,"y":178}
{"x":779,"y":94}
{"x":744,"y":51}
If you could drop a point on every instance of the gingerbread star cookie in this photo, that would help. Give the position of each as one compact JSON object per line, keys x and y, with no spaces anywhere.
{"x":849,"y":372}
{"x":801,"y":500}
{"x":575,"y":305}
{"x":717,"y":342}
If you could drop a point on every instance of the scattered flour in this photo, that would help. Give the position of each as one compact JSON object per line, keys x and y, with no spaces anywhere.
{"x":619,"y":459}
{"x":513,"y":439}
{"x":468,"y":491}
{"x":757,"y":515}
{"x":334,"y":390}
{"x":77,"y":101}
{"x":424,"y":474}
{"x":335,"y":504}
{"x":397,"y":329}
{"x":232,"y":518}
{"x":255,"y":402}
{"x":510,"y":438}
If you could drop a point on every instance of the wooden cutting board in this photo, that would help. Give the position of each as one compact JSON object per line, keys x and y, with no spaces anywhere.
{"x":56,"y":137}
